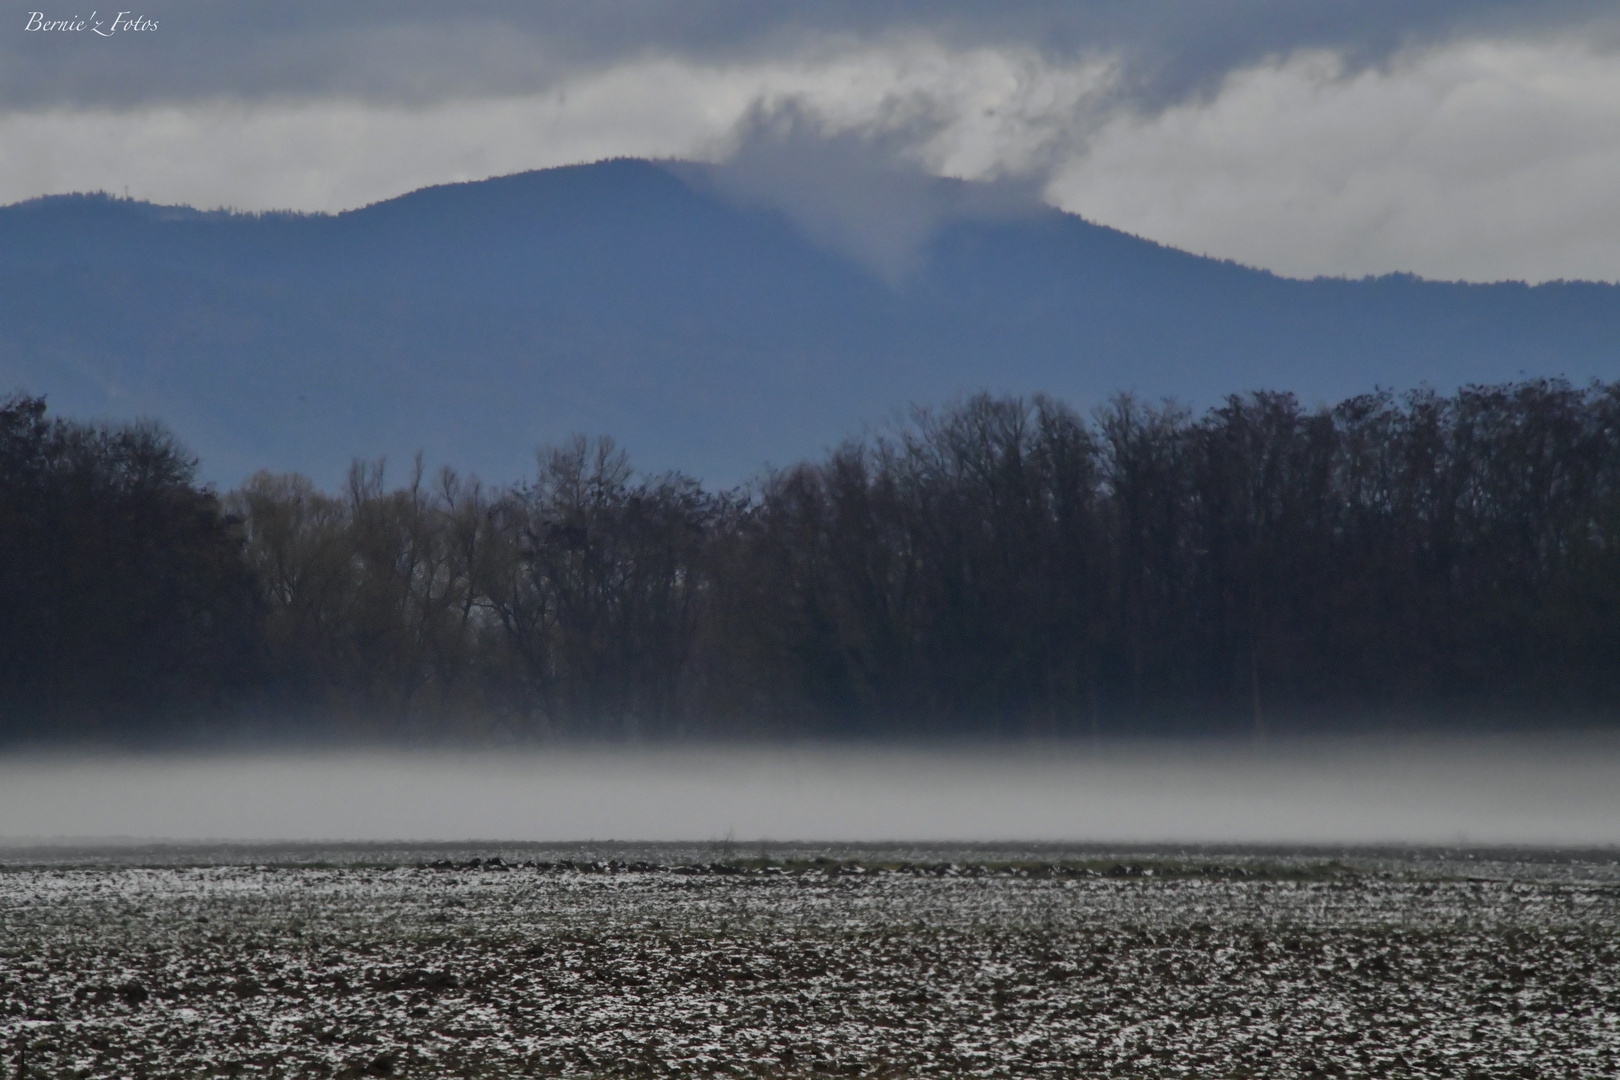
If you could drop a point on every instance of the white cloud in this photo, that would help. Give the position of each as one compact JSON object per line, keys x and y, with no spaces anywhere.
{"x":333,"y":155}
{"x":1477,"y":162}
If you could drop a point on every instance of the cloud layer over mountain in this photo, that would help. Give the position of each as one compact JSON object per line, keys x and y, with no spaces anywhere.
{"x":1468,"y":140}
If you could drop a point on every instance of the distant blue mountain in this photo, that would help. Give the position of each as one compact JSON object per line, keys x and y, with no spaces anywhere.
{"x":478,"y":321}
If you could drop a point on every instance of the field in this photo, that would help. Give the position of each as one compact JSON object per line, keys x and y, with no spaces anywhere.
{"x":799,"y":961}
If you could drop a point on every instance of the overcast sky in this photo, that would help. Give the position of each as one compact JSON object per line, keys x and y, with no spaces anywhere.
{"x":1476,"y":140}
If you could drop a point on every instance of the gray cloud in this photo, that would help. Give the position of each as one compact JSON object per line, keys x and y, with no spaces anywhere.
{"x":417,"y":52}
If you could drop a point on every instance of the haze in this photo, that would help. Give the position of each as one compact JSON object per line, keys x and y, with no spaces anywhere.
{"x":1560,"y":791}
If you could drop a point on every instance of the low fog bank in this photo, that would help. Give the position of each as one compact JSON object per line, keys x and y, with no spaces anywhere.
{"x":1563,"y":791}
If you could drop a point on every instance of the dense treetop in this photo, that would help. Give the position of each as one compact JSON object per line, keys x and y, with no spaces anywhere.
{"x":1002,"y":567}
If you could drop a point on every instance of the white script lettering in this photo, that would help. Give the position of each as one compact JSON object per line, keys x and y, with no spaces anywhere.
{"x":38,"y":21}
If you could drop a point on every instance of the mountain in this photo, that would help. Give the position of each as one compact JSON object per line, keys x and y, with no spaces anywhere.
{"x":705,"y":330}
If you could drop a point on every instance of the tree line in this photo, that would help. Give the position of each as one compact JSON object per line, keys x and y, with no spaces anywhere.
{"x":1003,"y":567}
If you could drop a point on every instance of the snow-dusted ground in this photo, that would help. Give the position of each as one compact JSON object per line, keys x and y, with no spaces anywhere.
{"x":868,"y":963}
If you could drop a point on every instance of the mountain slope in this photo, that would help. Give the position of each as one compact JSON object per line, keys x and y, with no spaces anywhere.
{"x":707,"y":332}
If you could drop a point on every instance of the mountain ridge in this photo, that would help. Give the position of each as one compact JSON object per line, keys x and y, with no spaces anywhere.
{"x":706,"y":330}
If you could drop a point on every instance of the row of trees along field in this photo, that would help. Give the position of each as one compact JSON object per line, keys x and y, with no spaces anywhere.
{"x":1002,"y":567}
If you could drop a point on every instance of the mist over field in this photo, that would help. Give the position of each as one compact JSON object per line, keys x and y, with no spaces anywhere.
{"x":1481,"y":791}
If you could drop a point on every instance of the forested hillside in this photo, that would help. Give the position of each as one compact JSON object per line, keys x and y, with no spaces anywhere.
{"x":706,"y":330}
{"x":1001,"y":567}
